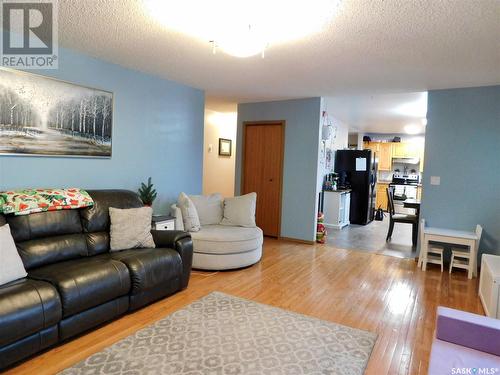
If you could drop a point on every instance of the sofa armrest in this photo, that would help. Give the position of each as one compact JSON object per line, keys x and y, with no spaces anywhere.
{"x":470,"y":330}
{"x":181,"y":242}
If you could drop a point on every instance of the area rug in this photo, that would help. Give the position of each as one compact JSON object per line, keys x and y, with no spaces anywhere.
{"x":223,"y":334}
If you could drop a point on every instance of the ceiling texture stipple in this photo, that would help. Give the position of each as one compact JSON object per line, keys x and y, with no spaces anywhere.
{"x":370,"y":47}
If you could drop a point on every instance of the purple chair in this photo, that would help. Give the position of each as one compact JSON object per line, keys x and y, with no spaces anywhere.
{"x":465,"y":341}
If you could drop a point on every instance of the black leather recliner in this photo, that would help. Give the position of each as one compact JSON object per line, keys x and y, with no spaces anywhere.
{"x":74,"y":282}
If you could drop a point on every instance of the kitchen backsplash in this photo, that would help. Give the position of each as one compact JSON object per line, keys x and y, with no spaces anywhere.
{"x":387,"y":175}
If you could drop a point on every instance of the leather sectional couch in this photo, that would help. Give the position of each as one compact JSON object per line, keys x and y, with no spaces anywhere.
{"x":74,"y":282}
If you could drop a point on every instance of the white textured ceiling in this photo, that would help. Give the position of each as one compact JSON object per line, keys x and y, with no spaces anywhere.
{"x":381,"y":113}
{"x":372,"y":46}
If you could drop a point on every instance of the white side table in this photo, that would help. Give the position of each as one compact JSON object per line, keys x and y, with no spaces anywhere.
{"x":163,"y":222}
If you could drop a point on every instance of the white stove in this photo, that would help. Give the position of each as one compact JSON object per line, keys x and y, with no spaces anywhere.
{"x":404,"y":185}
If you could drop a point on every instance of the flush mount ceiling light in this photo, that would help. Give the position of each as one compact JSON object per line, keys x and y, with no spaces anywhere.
{"x":413,"y":129}
{"x":244,"y":28}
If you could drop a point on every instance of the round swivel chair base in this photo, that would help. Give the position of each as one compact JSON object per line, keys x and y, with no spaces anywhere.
{"x":219,"y":262}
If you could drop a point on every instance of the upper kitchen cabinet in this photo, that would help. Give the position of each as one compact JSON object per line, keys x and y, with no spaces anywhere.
{"x":385,"y":156}
{"x":406,"y":150}
{"x":374,"y":146}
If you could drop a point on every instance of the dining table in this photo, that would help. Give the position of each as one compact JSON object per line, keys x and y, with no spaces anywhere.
{"x":413,"y":203}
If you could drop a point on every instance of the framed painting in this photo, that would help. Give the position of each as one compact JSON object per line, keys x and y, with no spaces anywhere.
{"x":225,"y":147}
{"x":42,"y":116}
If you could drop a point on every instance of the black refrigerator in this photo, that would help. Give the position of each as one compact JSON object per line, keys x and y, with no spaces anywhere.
{"x":358,"y":171}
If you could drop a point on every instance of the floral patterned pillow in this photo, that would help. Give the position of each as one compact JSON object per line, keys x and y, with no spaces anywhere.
{"x":28,"y":201}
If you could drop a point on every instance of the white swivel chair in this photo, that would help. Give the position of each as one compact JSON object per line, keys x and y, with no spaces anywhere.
{"x":460,"y":258}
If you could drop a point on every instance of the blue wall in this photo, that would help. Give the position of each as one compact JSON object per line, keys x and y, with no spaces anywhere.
{"x":302,"y":116}
{"x":157,"y":132}
{"x":462,"y":145}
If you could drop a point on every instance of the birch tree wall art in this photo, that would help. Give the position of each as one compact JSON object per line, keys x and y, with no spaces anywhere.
{"x":44,"y":116}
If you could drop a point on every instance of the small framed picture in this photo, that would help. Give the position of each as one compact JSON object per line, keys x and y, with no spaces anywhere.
{"x":225,"y":147}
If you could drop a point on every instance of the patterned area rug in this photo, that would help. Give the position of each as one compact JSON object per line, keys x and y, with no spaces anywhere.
{"x":222,"y":334}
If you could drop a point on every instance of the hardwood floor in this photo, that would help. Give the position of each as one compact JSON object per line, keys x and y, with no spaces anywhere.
{"x":378,"y":293}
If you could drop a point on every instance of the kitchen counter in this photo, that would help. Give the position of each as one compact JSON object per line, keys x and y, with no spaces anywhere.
{"x":338,"y":191}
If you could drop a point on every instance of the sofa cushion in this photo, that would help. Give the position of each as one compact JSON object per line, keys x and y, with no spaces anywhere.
{"x":44,"y":224}
{"x":26,"y":307}
{"x":96,"y":218}
{"x":149,"y":268}
{"x":240,"y":210}
{"x":208,"y":207}
{"x":11,"y":265}
{"x":446,"y":356}
{"x":189,"y":213}
{"x":130,"y":228}
{"x":222,"y":239}
{"x":43,"y":251}
{"x":86,"y":282}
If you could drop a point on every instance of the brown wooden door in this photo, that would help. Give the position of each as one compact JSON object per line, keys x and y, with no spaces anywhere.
{"x":263,"y":172}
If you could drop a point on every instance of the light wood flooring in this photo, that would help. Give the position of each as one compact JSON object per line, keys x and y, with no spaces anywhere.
{"x":374,"y":292}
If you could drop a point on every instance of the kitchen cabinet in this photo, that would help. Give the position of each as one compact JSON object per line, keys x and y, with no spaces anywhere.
{"x":386,"y":151}
{"x":399,"y":150}
{"x":336,"y":206}
{"x":406,"y":150}
{"x":381,"y":200}
{"x":383,"y":150}
{"x":385,"y":156}
{"x":374,"y":146}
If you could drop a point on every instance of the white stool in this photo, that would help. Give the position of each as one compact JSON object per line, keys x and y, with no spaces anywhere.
{"x":434,"y":251}
{"x":434,"y":255}
{"x":461,"y":258}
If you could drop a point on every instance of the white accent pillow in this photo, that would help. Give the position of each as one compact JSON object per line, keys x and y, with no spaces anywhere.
{"x":130,"y":228}
{"x":11,"y":264}
{"x":189,"y":214}
{"x":240,"y":211}
{"x":175,"y":211}
{"x":209,"y":208}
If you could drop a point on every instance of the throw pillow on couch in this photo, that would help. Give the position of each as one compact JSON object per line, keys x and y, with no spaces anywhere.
{"x":190,"y":217}
{"x":199,"y":210}
{"x":130,"y":228}
{"x":240,"y":211}
{"x":11,"y":265}
{"x":209,"y":208}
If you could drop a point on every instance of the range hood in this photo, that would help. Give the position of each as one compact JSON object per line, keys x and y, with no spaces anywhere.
{"x":405,"y":160}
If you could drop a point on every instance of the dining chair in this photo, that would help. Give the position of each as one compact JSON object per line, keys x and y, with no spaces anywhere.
{"x":434,"y":251}
{"x":400,"y":218}
{"x":460,"y":257}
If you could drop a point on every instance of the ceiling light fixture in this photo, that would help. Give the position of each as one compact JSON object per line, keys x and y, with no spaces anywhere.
{"x":244,"y":28}
{"x":413,"y":129}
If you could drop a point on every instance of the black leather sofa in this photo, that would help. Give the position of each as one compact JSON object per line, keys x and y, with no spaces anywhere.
{"x":74,"y":282}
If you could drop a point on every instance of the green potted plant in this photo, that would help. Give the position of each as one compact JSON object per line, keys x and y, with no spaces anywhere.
{"x":147,"y":193}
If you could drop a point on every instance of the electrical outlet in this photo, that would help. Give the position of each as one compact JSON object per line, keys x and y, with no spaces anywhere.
{"x":435,"y":180}
{"x":210,"y":148}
